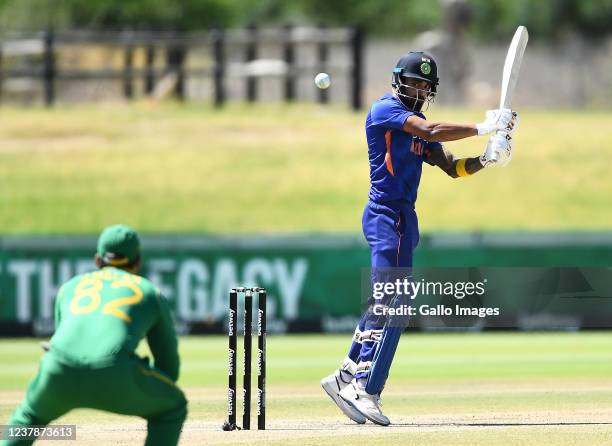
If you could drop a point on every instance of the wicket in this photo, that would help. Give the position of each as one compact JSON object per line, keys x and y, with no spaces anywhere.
{"x":230,"y":424}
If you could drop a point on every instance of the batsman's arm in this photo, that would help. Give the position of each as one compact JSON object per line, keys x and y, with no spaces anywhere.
{"x":453,"y":166}
{"x":438,"y":131}
{"x":499,"y":119}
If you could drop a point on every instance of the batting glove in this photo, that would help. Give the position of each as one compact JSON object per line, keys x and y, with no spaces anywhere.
{"x":498,"y":150}
{"x":498,"y":119}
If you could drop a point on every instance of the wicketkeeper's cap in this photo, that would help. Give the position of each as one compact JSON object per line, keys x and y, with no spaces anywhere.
{"x":118,"y":245}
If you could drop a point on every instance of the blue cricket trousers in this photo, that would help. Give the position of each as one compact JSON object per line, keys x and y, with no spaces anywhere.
{"x":392,"y":232}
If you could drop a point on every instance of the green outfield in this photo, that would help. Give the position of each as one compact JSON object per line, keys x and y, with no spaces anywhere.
{"x":278,"y":168}
{"x":445,"y":389}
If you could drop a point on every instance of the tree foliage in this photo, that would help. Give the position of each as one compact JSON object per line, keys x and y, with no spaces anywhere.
{"x":546,"y":19}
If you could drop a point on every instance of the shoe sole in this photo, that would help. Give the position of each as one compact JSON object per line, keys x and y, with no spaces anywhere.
{"x":373,"y":420}
{"x":341,"y":403}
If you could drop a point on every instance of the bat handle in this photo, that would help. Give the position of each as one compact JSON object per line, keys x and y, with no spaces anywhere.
{"x":493,"y":155}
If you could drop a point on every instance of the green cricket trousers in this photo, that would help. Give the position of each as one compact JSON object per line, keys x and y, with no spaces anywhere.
{"x":127,"y":387}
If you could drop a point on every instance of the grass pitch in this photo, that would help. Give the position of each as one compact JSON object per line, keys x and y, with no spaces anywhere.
{"x":444,"y":389}
{"x":172,"y":168}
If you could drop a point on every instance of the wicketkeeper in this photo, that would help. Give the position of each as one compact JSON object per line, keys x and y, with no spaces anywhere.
{"x":399,"y":140}
{"x":100,"y":317}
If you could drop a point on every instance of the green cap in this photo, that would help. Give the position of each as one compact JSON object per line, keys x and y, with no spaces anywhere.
{"x":118,"y":245}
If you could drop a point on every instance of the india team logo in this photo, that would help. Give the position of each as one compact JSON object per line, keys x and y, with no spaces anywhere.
{"x":425,"y":68}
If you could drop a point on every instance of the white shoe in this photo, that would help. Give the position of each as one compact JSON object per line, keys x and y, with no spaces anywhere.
{"x":332,"y":385}
{"x":366,"y":404}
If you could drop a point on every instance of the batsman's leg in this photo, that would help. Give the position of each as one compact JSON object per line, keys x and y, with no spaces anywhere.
{"x":383,"y":352}
{"x":381,"y":227}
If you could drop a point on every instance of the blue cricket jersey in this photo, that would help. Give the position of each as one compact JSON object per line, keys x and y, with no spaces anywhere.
{"x":396,"y":157}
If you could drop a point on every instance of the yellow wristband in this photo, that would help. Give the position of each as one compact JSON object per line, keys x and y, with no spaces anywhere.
{"x":461,"y":168}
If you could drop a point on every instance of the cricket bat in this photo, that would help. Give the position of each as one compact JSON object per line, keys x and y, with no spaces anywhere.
{"x":512,"y":66}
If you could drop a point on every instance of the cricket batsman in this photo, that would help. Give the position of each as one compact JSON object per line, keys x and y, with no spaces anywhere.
{"x":100,"y":317}
{"x":399,"y":140}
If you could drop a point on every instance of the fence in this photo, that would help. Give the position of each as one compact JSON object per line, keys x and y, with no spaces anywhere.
{"x":222,"y":45}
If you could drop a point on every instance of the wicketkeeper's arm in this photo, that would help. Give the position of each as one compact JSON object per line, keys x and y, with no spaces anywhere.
{"x":58,"y":309}
{"x":163,"y":342}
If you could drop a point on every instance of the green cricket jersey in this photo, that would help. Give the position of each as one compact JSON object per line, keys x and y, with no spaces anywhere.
{"x":100,"y":317}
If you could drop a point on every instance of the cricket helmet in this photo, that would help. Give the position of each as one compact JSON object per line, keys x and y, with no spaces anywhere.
{"x":415,"y":65}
